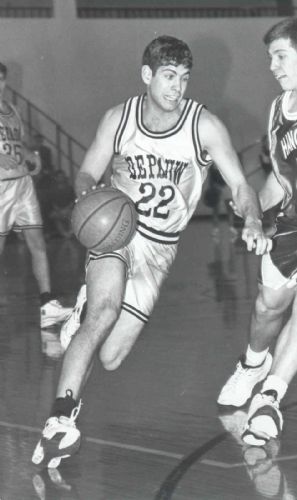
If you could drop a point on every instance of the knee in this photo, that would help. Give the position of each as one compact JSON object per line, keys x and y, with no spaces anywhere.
{"x":266,"y":308}
{"x":111,"y":362}
{"x":112,"y":357}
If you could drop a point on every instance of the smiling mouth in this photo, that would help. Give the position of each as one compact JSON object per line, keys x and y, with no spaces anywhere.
{"x":171,"y":98}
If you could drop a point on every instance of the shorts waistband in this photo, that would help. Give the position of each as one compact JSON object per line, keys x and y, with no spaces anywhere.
{"x":157,"y":236}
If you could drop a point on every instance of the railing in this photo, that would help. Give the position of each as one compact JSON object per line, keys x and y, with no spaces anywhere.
{"x":146,"y":9}
{"x":283,"y":8}
{"x":26,"y":12}
{"x":67,"y":152}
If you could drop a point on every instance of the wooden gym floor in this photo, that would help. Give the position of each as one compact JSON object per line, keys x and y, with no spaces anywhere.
{"x":152,"y":429}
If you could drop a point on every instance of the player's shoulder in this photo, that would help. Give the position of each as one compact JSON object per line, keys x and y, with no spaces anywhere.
{"x":111,"y":118}
{"x":209,"y":121}
{"x":114,"y":113}
{"x":117,"y":111}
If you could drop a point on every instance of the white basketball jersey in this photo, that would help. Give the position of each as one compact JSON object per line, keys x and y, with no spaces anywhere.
{"x":11,"y":133}
{"x":163,"y":172}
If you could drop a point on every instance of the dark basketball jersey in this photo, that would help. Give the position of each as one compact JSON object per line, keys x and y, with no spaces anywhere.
{"x":283,"y":142}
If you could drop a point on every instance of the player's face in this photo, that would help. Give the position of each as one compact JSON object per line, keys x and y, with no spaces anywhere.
{"x":168,"y":86}
{"x":2,"y":84}
{"x":284,"y":63}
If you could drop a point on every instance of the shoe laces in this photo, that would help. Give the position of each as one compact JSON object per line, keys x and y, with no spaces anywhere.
{"x":75,"y":411}
{"x":241,"y":370}
{"x":73,"y":415}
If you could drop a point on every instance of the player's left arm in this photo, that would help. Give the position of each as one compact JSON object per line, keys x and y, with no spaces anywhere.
{"x":215,"y":139}
{"x":28,"y":156}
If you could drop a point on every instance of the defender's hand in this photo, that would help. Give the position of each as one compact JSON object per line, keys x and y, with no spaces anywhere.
{"x":255,"y":238}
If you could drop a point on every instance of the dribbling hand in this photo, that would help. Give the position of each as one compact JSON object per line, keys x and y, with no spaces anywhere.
{"x":85,"y":192}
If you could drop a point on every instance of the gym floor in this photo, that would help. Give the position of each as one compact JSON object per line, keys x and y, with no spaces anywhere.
{"x":151,"y":430}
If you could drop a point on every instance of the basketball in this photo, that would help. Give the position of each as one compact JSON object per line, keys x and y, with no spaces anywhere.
{"x":104,"y":220}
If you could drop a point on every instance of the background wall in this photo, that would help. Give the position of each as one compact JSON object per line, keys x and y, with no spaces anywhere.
{"x":74,"y":69}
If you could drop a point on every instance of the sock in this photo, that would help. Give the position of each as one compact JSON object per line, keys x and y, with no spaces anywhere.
{"x":253,"y":358}
{"x":273,"y":382}
{"x":64,"y":406}
{"x":45,"y":297}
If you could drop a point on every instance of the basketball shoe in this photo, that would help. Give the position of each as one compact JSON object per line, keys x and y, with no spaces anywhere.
{"x":53,"y":312}
{"x":60,"y":439}
{"x":240,"y":385}
{"x":265,"y":420}
{"x":72,"y":323}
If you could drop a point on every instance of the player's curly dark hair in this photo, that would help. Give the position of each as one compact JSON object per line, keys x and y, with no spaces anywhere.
{"x":166,"y":50}
{"x":286,"y":29}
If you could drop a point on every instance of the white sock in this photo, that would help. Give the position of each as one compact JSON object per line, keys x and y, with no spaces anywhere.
{"x":253,"y":358}
{"x":273,"y":382}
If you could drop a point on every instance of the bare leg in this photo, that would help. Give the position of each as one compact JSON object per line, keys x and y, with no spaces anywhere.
{"x":105,"y":289}
{"x":285,"y":356}
{"x":267,"y":316}
{"x":36,"y":244}
{"x":120,"y":341}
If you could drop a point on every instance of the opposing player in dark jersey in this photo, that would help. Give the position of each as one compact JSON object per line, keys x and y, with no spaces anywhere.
{"x":163,"y":144}
{"x":277,"y":288}
{"x":19,"y":207}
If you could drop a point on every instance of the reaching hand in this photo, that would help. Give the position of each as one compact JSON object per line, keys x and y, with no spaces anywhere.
{"x":255,"y":238}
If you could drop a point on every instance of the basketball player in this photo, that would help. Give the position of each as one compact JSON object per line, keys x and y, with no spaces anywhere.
{"x":163,"y":145}
{"x":277,"y":289}
{"x":19,"y":207}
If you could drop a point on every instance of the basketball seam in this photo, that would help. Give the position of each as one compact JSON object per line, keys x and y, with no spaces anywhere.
{"x":114,"y":224}
{"x":93,"y":212}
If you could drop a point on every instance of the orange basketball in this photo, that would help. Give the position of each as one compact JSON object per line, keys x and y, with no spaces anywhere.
{"x":104,"y":219}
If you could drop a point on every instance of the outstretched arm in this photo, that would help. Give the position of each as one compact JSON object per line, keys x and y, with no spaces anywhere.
{"x":216,"y":141}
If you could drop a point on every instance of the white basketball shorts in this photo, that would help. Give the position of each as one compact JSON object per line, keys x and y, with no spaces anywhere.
{"x":148,"y":264}
{"x":19,"y":207}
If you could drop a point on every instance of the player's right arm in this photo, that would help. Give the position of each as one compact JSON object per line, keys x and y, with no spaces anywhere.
{"x":271,"y":193}
{"x":99,"y":153}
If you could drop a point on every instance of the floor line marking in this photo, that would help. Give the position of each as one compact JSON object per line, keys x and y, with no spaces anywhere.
{"x":103,"y":442}
{"x":143,"y":449}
